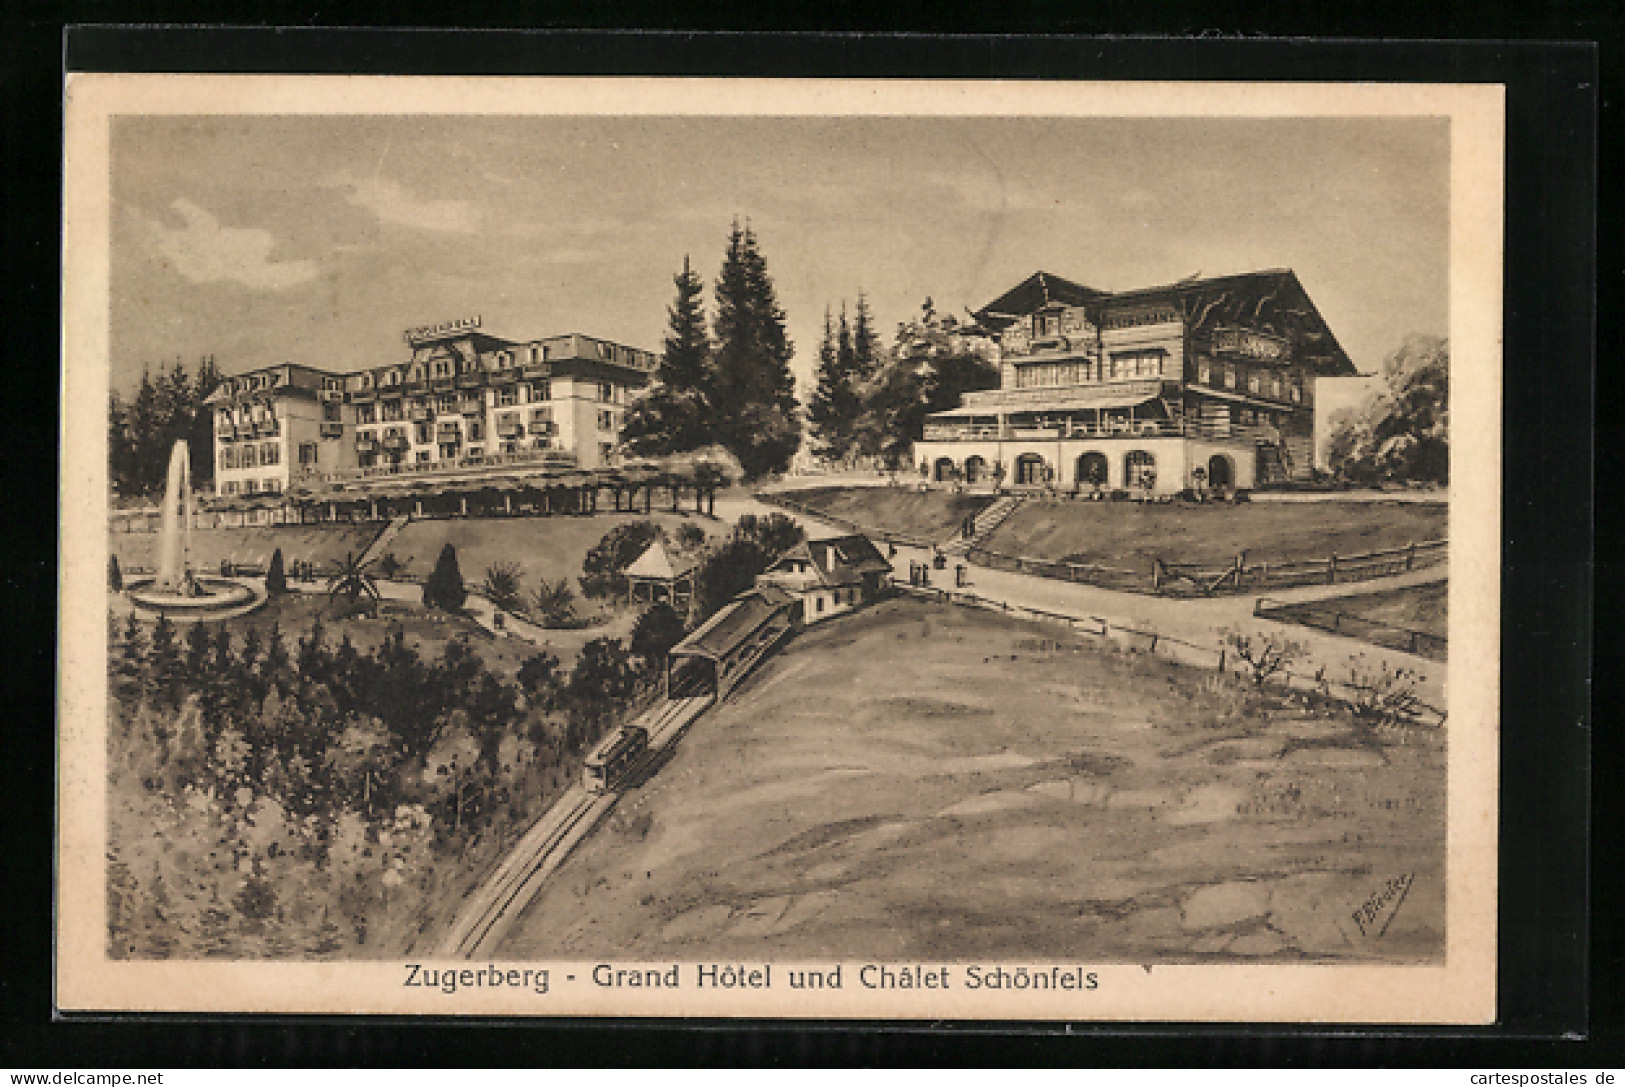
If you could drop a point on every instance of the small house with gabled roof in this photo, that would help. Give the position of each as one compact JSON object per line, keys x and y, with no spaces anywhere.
{"x":829,"y":576}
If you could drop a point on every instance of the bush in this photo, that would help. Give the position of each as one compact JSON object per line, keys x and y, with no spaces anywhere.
{"x":603,"y":568}
{"x":502,"y":586}
{"x":553,"y":603}
{"x":1264,"y":654}
{"x":1383,"y":697}
{"x":444,"y":589}
{"x":389,"y":566}
{"x":276,"y":580}
{"x":115,"y":579}
{"x":656,"y":631}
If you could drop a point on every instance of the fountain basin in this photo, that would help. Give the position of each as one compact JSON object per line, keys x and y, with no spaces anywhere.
{"x":219,"y":599}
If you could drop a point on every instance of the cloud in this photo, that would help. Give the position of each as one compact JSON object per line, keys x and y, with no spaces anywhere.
{"x":205,"y":252}
{"x":394,"y":204}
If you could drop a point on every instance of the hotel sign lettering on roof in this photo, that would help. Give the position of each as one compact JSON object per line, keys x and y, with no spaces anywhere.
{"x":415,"y":336}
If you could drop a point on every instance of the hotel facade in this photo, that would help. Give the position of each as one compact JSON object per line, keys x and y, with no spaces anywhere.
{"x":1206,"y":383}
{"x":463,"y":404}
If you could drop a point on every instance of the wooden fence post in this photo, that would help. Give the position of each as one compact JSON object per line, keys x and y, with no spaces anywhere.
{"x":1410,"y":555}
{"x":1156,"y":575}
{"x":1331,"y":570}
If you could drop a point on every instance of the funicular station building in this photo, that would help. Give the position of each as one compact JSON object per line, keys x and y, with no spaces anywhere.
{"x":1205,"y":383}
{"x":466,"y":417}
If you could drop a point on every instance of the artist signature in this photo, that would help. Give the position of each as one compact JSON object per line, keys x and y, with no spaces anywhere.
{"x":1383,"y":905}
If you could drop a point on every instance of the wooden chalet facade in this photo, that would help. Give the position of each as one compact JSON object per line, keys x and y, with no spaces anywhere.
{"x":1205,"y":383}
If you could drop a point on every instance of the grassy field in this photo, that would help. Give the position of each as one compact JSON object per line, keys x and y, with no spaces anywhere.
{"x":1130,"y":535}
{"x":542,"y":547}
{"x":931,"y":514}
{"x":321,"y":544}
{"x":925,"y":782}
{"x":1382,"y":618}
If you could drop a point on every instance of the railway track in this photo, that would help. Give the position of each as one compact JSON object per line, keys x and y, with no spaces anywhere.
{"x":496,"y":904}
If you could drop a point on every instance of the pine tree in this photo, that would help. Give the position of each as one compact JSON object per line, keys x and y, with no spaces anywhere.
{"x":276,"y":579}
{"x":753,"y":391}
{"x":673,"y":417}
{"x":115,"y":578}
{"x":444,"y":589}
{"x":865,"y":342}
{"x":835,"y":407}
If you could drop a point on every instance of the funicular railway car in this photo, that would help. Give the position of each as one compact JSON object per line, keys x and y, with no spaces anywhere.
{"x":607,"y":764}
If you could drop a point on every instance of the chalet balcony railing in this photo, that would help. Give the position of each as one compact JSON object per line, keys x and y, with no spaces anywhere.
{"x":267,"y":428}
{"x":541,"y":426}
{"x":472,"y":407}
{"x":1139,"y":428}
{"x":470,"y":381}
{"x":420,"y":414}
{"x":363,"y":396}
{"x":332,"y":430}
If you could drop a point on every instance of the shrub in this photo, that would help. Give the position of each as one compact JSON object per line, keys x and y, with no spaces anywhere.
{"x":690,"y":537}
{"x":603,"y":568}
{"x":554,"y":603}
{"x":115,"y":579}
{"x":1264,"y":653}
{"x":1383,"y":697}
{"x":276,"y":580}
{"x":444,"y":588}
{"x":502,"y":586}
{"x":656,"y":631}
{"x":389,"y":566}
{"x":774,"y":533}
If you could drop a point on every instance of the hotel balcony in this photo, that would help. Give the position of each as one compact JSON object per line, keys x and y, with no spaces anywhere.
{"x":363,"y":396}
{"x":267,"y":428}
{"x":472,"y":467}
{"x":541,"y":426}
{"x":510,"y":430}
{"x":441,"y":384}
{"x":396,"y":443}
{"x":366,"y":444}
{"x":414,"y":388}
{"x":470,"y":381}
{"x":420,"y":414}
{"x":472,"y":407}
{"x":1107,"y":429}
{"x":332,"y":430}
{"x":328,"y":395}
{"x":535,"y":370}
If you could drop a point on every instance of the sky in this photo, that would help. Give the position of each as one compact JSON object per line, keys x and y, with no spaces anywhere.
{"x":319,"y":240}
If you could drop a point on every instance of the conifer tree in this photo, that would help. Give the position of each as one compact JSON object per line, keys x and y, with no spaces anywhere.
{"x":444,"y":589}
{"x":835,"y":406}
{"x":673,"y":417}
{"x":754,"y":409}
{"x":276,"y":578}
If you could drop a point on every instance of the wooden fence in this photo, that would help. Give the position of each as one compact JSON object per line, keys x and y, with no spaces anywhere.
{"x":1170,"y":578}
{"x":1325,"y":615}
{"x":1140,"y":639}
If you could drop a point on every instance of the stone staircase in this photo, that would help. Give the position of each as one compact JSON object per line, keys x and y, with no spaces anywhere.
{"x":380,"y":544}
{"x":991,"y":517}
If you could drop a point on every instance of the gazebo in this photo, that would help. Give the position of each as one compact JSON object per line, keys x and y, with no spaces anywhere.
{"x":657,"y":569}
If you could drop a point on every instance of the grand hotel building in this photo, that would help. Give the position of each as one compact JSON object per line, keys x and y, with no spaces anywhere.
{"x":464,"y":404}
{"x":1206,"y":381}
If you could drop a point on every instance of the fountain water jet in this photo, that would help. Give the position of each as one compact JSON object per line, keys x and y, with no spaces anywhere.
{"x":176,"y":591}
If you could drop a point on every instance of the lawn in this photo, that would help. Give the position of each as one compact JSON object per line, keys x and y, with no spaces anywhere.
{"x":931,"y":514}
{"x":319,"y":544}
{"x":1383,"y":618}
{"x":1130,"y":535}
{"x":542,"y":547}
{"x":922,"y":782}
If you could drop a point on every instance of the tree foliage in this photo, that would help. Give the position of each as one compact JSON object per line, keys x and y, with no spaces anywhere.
{"x":276,"y":577}
{"x":307,"y":803}
{"x":1402,"y":433}
{"x":444,"y":588}
{"x":143,"y":429}
{"x":929,"y":369}
{"x":603,"y":569}
{"x":731,"y":386}
{"x":658,"y":629}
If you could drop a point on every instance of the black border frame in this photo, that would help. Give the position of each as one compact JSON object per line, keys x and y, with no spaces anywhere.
{"x":1552,"y":96}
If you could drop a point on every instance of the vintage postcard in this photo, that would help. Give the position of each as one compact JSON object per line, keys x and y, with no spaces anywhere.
{"x":637,"y":547}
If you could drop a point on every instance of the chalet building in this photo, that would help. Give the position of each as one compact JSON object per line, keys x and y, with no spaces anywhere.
{"x":828,"y":577}
{"x":463,"y":403}
{"x":1204,"y":382}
